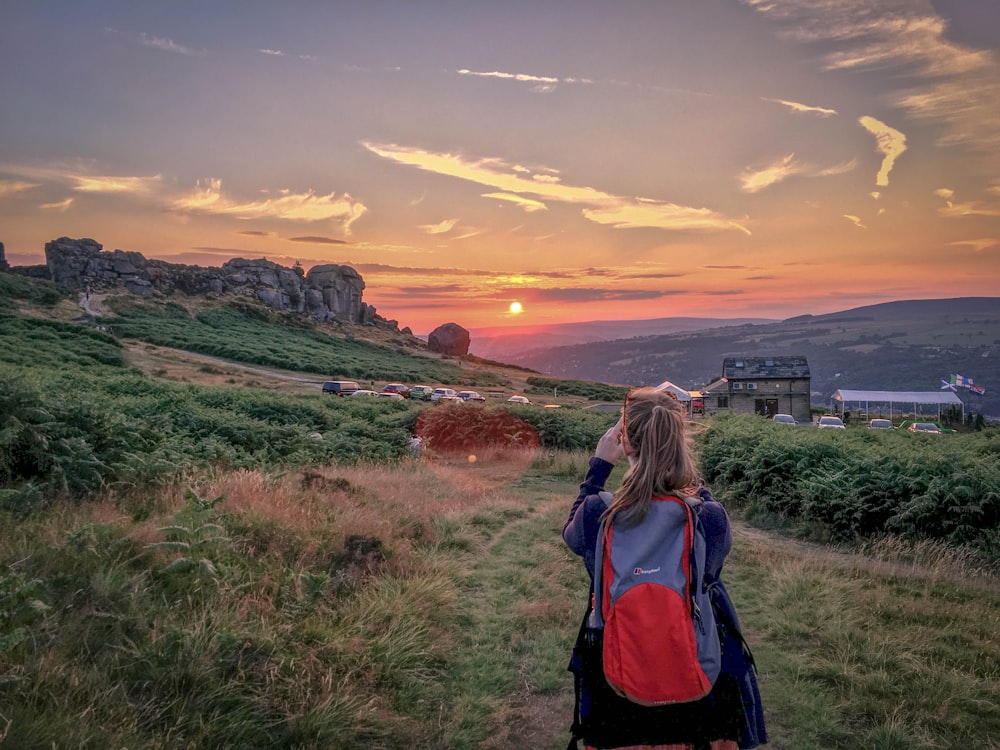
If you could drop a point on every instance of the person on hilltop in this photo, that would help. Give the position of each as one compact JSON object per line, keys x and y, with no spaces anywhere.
{"x":651,"y":435}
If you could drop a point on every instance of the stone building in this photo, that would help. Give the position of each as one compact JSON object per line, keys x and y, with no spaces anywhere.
{"x":761,"y":385}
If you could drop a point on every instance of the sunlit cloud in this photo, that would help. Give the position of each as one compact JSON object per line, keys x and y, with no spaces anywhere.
{"x":953,"y":208}
{"x":604,"y":208}
{"x":842,"y":168}
{"x":526,"y":203}
{"x":207,"y":198}
{"x":889,"y":142}
{"x":272,"y":52}
{"x":977,"y":245}
{"x":470,"y":233}
{"x":115,"y":184}
{"x":13,"y":187}
{"x":318,"y":240}
{"x":804,"y":108}
{"x":755,"y":181}
{"x":855,"y":220}
{"x":442,"y":227}
{"x":255,"y":233}
{"x":58,"y":206}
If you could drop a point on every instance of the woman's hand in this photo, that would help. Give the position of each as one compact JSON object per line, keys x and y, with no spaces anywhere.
{"x":609,"y":447}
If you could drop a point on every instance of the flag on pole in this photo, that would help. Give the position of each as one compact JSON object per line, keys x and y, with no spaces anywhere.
{"x":960,"y":381}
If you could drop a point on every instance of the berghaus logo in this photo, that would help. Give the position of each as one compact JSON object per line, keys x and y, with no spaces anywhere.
{"x":645,"y":571}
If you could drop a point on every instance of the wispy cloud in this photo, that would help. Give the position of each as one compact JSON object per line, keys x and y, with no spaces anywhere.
{"x":155,"y":42}
{"x":978,"y":245}
{"x":318,"y":240}
{"x":255,"y":233}
{"x":953,"y":208}
{"x":115,"y":184}
{"x":855,"y":220}
{"x":77,"y":178}
{"x":804,"y":108}
{"x":947,"y":82}
{"x":207,"y":198}
{"x":756,"y":180}
{"x":13,"y":187}
{"x":600,"y":207}
{"x":890,"y":142}
{"x":58,"y":206}
{"x":272,"y":52}
{"x":527,"y":204}
{"x":521,"y":77}
{"x":442,"y":227}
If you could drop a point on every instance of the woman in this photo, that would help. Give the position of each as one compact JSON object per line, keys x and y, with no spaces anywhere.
{"x":651,"y":434}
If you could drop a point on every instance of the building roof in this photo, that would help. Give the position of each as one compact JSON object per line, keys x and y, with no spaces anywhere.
{"x":897,"y":397}
{"x":681,"y":393}
{"x":748,"y":368}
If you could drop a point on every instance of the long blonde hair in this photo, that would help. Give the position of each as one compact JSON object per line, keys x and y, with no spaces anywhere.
{"x":661,"y":460}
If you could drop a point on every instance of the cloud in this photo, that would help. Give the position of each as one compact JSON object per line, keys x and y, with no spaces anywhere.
{"x":318,"y":240}
{"x":526,"y":203}
{"x":602,"y":208}
{"x":755,"y":181}
{"x":272,"y":52}
{"x":115,"y":184}
{"x":855,"y":220}
{"x":13,"y":187}
{"x":842,"y":168}
{"x":953,"y":209}
{"x":977,"y":245}
{"x":255,"y":233}
{"x":155,"y":42}
{"x":601,"y":295}
{"x":442,"y":227}
{"x":58,"y":206}
{"x":804,"y":108}
{"x":207,"y":198}
{"x":544,"y":84}
{"x":889,"y":142}
{"x":77,"y":177}
{"x":725,"y":268}
{"x":940,"y":80}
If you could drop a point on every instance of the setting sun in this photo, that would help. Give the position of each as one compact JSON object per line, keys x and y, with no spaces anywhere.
{"x":515,"y":308}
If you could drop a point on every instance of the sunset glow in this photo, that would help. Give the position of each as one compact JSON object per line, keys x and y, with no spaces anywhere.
{"x":589,"y":160}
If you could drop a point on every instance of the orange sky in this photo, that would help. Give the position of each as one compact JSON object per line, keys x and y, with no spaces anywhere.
{"x":585,"y":159}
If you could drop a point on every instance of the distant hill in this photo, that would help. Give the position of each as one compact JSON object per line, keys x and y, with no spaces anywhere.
{"x":504,"y":343}
{"x":905,"y":345}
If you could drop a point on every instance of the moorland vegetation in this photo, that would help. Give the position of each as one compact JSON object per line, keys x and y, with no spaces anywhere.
{"x":239,"y":565}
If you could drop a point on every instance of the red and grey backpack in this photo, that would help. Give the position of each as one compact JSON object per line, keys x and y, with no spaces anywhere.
{"x":660,"y":643}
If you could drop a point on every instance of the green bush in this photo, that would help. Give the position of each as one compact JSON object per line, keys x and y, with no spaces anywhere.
{"x":860,"y":484}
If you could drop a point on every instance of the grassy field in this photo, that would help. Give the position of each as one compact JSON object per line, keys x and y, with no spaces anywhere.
{"x":197,"y":555}
{"x":432,"y":604}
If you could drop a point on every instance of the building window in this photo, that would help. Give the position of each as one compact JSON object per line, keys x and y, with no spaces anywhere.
{"x":737,"y":386}
{"x":751,"y":386}
{"x":723,"y":402}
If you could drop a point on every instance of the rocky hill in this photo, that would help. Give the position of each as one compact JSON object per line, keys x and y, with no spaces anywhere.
{"x":325,"y":293}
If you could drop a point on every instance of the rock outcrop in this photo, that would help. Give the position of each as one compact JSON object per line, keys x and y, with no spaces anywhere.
{"x":326,"y":293}
{"x":449,"y":338}
{"x":3,"y":259}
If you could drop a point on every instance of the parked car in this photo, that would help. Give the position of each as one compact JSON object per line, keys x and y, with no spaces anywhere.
{"x":340,"y":387}
{"x":443,"y":394}
{"x":928,"y":428}
{"x":363,"y":392}
{"x":515,"y":399}
{"x":784,"y":419}
{"x":829,"y":422}
{"x":880,"y":424}
{"x":421,"y":392}
{"x":402,"y":390}
{"x":392,"y":395}
{"x":470,"y":396}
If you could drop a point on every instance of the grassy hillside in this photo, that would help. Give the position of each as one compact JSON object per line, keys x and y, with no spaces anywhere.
{"x":896,"y":346}
{"x":194,"y":561}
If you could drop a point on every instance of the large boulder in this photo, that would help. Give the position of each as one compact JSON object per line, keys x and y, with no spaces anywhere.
{"x":449,"y":338}
{"x":3,"y":259}
{"x":327,"y":292}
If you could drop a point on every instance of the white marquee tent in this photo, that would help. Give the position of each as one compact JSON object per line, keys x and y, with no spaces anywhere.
{"x":899,"y":399}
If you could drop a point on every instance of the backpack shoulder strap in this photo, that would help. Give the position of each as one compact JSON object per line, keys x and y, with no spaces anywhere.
{"x":596,"y":618}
